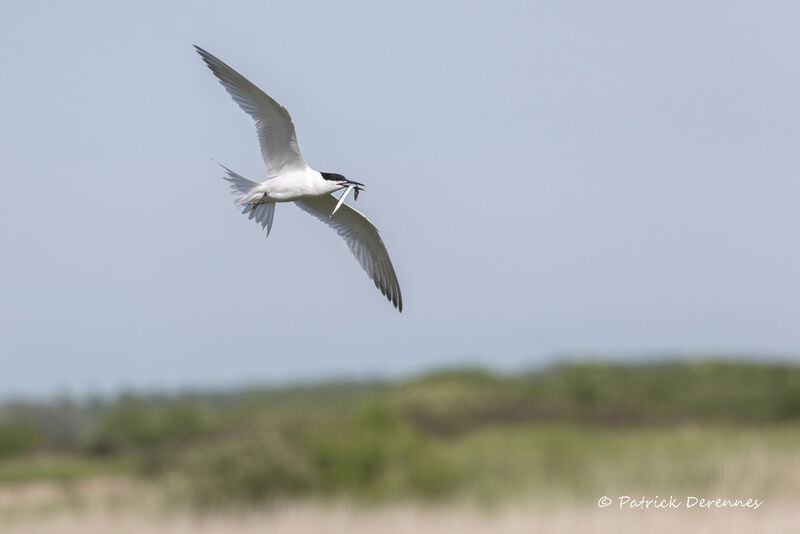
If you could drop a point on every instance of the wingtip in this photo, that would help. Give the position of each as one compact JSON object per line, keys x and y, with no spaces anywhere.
{"x":396,"y":300}
{"x":207,"y":57}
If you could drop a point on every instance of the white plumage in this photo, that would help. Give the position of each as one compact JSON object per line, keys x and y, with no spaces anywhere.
{"x":290,"y":179}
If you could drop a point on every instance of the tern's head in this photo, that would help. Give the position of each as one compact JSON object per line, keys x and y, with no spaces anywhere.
{"x":343,"y":182}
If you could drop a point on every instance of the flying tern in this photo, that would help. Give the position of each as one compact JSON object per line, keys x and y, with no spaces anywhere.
{"x":290,"y":179}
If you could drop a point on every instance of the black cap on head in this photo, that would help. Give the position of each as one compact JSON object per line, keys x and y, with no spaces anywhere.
{"x":333,"y":176}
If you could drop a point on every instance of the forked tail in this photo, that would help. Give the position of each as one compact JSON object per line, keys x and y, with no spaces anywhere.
{"x":241,"y":187}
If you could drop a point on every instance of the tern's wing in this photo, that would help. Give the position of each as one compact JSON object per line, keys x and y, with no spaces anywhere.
{"x":363,"y":239}
{"x":273,"y":123}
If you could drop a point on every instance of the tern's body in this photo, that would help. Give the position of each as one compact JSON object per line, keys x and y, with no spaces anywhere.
{"x":293,"y":185}
{"x":290,"y":179}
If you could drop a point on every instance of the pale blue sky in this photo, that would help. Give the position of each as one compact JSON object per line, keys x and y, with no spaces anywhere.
{"x":549,"y":177}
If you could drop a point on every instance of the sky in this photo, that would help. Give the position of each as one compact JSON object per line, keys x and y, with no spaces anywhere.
{"x":551,"y":179}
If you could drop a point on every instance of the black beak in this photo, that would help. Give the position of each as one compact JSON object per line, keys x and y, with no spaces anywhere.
{"x":358,"y":187}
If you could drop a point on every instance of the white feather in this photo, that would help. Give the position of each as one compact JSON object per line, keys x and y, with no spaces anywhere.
{"x":273,"y":123}
{"x":363,"y":239}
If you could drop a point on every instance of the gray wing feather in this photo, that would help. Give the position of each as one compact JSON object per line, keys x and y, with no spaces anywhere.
{"x":274,"y":125}
{"x":364,"y":242}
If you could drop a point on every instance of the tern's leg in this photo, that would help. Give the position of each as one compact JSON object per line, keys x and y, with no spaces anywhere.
{"x":257,"y":203}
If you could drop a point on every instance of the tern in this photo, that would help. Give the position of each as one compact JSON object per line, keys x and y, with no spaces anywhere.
{"x":290,"y":179}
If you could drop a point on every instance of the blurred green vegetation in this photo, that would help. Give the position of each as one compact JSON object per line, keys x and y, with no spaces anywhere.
{"x":575,"y":430}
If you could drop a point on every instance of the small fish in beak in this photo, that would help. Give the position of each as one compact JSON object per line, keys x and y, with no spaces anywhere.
{"x":341,"y":199}
{"x":358,"y":186}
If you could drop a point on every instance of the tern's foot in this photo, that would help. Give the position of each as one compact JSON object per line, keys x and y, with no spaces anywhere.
{"x":255,"y":204}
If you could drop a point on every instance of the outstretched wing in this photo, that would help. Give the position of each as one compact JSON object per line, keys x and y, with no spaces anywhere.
{"x":273,"y":123}
{"x":363,"y":239}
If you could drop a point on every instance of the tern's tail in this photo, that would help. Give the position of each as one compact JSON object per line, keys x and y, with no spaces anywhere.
{"x":241,"y":187}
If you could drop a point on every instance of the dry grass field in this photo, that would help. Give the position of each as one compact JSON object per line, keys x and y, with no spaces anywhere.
{"x":121,"y":506}
{"x":458,"y":452}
